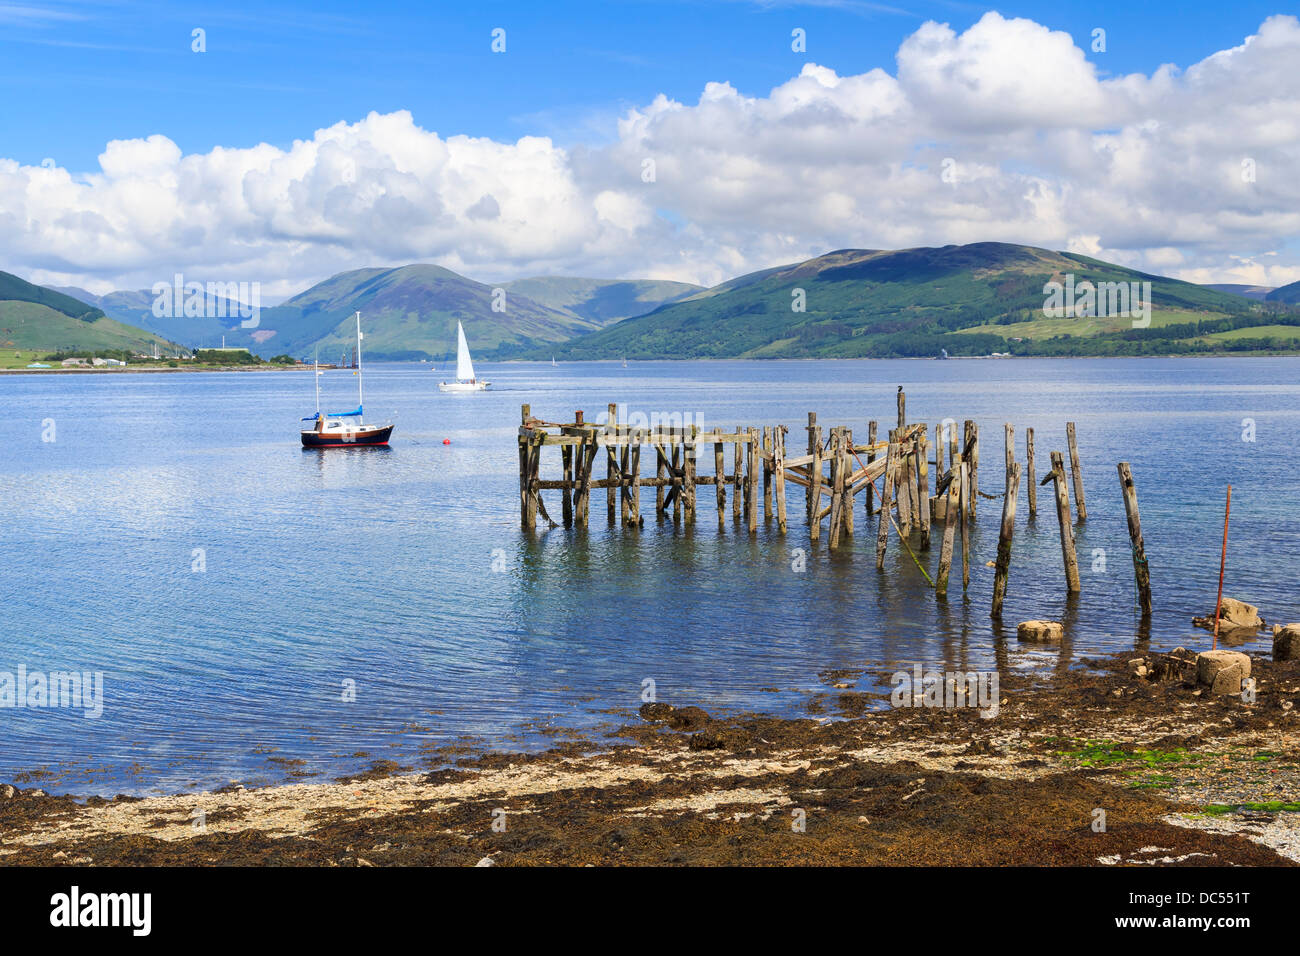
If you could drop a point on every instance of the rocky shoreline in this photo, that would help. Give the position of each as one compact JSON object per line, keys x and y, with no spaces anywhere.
{"x":1120,"y":760}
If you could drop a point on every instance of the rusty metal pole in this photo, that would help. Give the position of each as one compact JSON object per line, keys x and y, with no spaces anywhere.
{"x":1223,"y":563}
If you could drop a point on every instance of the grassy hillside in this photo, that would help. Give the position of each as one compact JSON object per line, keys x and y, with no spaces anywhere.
{"x":136,"y":308}
{"x":35,"y":321}
{"x":969,"y":300}
{"x":602,"y":301}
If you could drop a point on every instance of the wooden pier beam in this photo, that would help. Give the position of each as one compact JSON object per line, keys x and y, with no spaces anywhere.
{"x":1031,"y":482}
{"x":1141,"y":571}
{"x":815,"y":490}
{"x":902,"y":407}
{"x":1008,"y":530}
{"x":1068,"y":555}
{"x":1081,"y":509}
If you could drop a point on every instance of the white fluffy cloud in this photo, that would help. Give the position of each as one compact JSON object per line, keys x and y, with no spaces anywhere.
{"x":1007,"y":131}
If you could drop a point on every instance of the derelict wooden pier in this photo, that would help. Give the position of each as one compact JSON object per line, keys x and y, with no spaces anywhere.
{"x":892,"y":479}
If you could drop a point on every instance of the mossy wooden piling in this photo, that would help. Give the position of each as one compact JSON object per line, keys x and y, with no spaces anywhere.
{"x":1005,"y":535}
{"x":1141,"y":572}
{"x":1068,"y":556}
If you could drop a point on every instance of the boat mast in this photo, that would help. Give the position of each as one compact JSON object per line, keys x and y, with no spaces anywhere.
{"x":360,"y":404}
{"x":315,"y":374}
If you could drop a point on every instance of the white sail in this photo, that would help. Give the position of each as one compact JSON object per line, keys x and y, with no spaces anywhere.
{"x":464,"y":367}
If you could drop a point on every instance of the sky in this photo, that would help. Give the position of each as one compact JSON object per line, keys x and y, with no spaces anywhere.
{"x":684,"y":139}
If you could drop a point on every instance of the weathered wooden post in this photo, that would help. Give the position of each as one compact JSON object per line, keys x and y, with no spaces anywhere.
{"x":1032,"y":482}
{"x":720,"y":477}
{"x":1081,"y":509}
{"x":837,"y":486}
{"x":814,"y":433}
{"x":525,"y":413}
{"x":661,"y":470}
{"x":566,"y":503}
{"x":634,"y":499}
{"x":965,"y":508}
{"x":1009,"y":442}
{"x":847,"y":467}
{"x":675,"y":470}
{"x":1141,"y":570}
{"x":1003,"y":564}
{"x":902,"y":407}
{"x":951,"y":509}
{"x":778,"y":474}
{"x":739,"y":490}
{"x":586,"y":462}
{"x":871,"y":456}
{"x":766,"y":450}
{"x":971,"y":487}
{"x":924,"y":491}
{"x":815,"y":490}
{"x":611,"y":461}
{"x":902,"y":492}
{"x":1063,"y":518}
{"x":688,"y":476}
{"x":886,"y":494}
{"x":751,"y":498}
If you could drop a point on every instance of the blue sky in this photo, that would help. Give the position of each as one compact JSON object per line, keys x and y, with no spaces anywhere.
{"x":311,"y":138}
{"x":75,"y":75}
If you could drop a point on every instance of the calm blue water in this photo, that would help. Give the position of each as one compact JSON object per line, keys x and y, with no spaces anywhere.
{"x":376,"y":566}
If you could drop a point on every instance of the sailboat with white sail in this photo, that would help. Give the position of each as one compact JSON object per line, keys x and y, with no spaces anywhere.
{"x":343,"y":429}
{"x":465,"y":380}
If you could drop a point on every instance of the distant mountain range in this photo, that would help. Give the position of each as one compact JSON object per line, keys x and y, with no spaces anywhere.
{"x":972,"y":299}
{"x":409,"y":312}
{"x":41,"y":321}
{"x":967,"y":300}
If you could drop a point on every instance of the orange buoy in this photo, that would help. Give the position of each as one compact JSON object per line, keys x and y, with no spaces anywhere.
{"x":446,"y":441}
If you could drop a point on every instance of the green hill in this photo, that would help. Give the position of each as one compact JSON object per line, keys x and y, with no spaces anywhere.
{"x":411,"y":312}
{"x":603,"y":301}
{"x":1289,"y":294}
{"x":221,"y":319}
{"x":970,"y":300}
{"x":36,"y":321}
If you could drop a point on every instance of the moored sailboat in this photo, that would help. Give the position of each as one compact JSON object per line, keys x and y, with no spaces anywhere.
{"x":465,"y":380}
{"x":344,"y":429}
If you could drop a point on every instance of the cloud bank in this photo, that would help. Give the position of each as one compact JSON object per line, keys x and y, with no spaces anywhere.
{"x":1008,"y":131}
